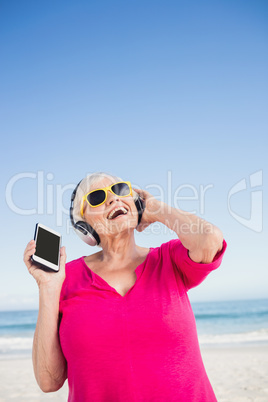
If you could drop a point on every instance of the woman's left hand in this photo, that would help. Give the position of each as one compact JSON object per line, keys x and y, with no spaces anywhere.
{"x":151,"y":211}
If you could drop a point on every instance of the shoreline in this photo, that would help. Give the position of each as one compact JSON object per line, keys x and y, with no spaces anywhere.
{"x":236,"y":372}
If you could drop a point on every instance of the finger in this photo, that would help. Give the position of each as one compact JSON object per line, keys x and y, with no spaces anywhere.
{"x":30,"y":245}
{"x":29,"y":249}
{"x":62,"y":255}
{"x":141,"y":193}
{"x":62,"y":258}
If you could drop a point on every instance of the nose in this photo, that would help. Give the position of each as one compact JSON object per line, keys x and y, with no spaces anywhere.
{"x":111,"y":197}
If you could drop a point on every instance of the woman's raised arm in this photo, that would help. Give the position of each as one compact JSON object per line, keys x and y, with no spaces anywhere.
{"x":201,"y":238}
{"x":49,"y":364}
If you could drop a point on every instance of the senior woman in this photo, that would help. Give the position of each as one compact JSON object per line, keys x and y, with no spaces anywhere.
{"x":119,"y":324}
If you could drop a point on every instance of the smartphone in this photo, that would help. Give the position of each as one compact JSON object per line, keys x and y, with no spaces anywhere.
{"x":48,"y":242}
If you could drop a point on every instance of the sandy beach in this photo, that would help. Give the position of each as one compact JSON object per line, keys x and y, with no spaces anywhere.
{"x":237,"y":374}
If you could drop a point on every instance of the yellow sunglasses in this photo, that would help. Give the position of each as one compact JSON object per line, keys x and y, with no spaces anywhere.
{"x":98,"y":197}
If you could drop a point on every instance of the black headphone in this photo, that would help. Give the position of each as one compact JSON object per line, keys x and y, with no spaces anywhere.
{"x":86,"y":231}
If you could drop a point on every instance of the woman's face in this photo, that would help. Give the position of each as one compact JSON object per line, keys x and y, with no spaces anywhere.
{"x":104,"y":219}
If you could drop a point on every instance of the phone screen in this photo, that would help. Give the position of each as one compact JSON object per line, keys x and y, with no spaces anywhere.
{"x":47,"y":246}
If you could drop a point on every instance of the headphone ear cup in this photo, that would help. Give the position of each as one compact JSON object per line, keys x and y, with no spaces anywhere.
{"x":83,"y":229}
{"x":87,"y":233}
{"x":140,"y":205}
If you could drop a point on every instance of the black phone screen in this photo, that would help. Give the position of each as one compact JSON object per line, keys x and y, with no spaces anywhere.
{"x":47,"y":246}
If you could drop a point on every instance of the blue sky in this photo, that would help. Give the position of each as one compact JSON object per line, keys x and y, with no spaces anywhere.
{"x":162,"y":93}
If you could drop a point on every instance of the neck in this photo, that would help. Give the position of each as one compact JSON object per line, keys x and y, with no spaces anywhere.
{"x":122,"y":248}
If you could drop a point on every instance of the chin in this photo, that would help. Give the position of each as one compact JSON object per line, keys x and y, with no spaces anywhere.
{"x":124,"y":225}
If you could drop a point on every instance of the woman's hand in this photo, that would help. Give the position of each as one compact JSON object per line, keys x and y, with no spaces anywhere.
{"x":49,"y":363}
{"x":50,"y":279}
{"x":151,"y":211}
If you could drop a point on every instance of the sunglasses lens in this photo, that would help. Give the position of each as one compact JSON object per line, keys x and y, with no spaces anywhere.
{"x":96,"y":197}
{"x":121,"y":189}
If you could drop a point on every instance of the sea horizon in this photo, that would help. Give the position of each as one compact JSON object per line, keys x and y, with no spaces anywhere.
{"x":17,"y":308}
{"x":219,"y":324}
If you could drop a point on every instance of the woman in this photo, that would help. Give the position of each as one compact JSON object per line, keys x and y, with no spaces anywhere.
{"x":120,"y":326}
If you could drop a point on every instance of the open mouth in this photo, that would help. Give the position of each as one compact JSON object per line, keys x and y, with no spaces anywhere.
{"x":115,"y":213}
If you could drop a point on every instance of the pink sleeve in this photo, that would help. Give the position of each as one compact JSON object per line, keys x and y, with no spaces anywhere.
{"x":192,"y":273}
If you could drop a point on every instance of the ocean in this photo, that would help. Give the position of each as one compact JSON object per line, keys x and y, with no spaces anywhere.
{"x":227,"y":323}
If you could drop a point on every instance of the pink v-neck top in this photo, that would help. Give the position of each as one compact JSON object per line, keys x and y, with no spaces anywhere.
{"x":139,"y":347}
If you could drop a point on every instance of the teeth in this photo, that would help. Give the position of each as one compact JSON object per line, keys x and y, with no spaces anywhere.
{"x":110,"y":216}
